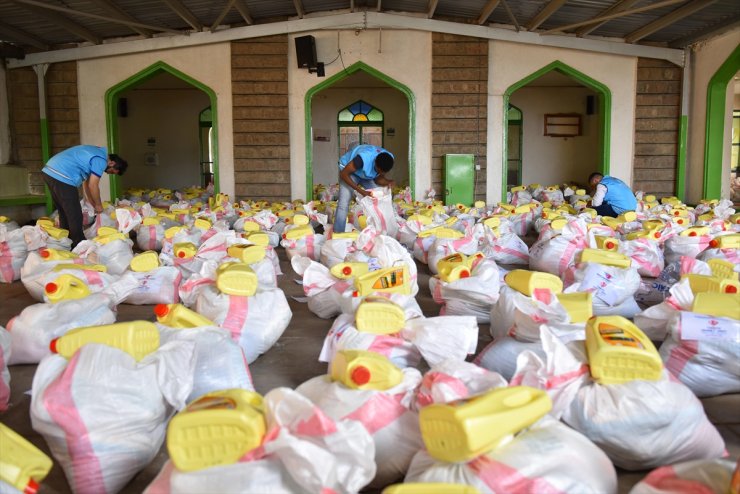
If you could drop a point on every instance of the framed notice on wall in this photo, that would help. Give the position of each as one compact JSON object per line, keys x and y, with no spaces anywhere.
{"x":562,"y":124}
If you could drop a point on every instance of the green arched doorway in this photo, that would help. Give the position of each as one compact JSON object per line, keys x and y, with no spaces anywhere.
{"x":360,"y":66}
{"x":111,"y":104}
{"x":604,"y":110}
{"x":715,"y":128}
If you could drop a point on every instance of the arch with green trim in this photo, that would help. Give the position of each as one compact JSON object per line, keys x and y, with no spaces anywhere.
{"x":356,"y":67}
{"x":112,"y":96}
{"x":714,"y":140}
{"x":604,"y":109}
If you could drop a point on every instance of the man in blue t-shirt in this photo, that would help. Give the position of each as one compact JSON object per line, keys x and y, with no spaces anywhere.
{"x":66,"y":171}
{"x":611,"y":196}
{"x":362,"y":168}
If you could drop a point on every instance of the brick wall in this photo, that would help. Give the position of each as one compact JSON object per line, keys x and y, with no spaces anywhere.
{"x":62,"y":112}
{"x":259,"y":75}
{"x":459,"y":104}
{"x":658,"y":110}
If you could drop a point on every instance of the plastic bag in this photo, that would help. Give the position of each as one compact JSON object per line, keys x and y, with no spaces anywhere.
{"x":386,"y":415}
{"x":556,"y":254}
{"x":444,"y":337}
{"x":304,"y":452}
{"x":33,"y":329}
{"x":104,"y":415}
{"x":116,"y":255}
{"x":646,"y":256}
{"x":13,"y":253}
{"x":158,"y":286}
{"x":378,"y":208}
{"x":472,"y":296}
{"x":5,"y":348}
{"x":613,"y":288}
{"x":323,"y":290}
{"x":698,"y":476}
{"x":546,"y":457}
{"x":452,"y":380}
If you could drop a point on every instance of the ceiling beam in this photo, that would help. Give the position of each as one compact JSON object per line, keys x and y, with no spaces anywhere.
{"x":299,"y":8}
{"x":8,"y":50}
{"x":114,"y":11}
{"x":667,"y":20}
{"x":624,"y":13}
{"x":349,"y":21}
{"x":244,"y":11}
{"x":545,"y":14}
{"x":432,"y":8}
{"x":96,"y":16}
{"x":710,"y":32}
{"x":617,"y":7}
{"x":16,"y":34}
{"x":486,"y":11}
{"x":511,"y":15}
{"x":221,"y":16}
{"x":180,"y":9}
{"x":64,"y":23}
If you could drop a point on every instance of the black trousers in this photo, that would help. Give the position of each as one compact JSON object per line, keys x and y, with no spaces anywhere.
{"x":67,"y":202}
{"x":606,"y":210}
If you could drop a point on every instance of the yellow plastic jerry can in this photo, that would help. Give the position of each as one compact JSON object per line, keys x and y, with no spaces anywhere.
{"x":145,"y":261}
{"x":462,"y":430}
{"x":298,"y":232}
{"x":236,"y":278}
{"x":430,"y":488}
{"x":49,"y":254}
{"x":526,"y":282}
{"x":618,"y":351}
{"x":380,"y":316}
{"x":653,"y":234}
{"x":248,"y":254}
{"x":606,"y":243}
{"x":605,"y":257}
{"x":179,"y":316}
{"x":216,"y":429}
{"x":184,"y":250}
{"x":579,"y":305}
{"x":346,"y":270}
{"x":137,"y":338}
{"x":723,"y":269}
{"x":731,"y":241}
{"x":257,"y":238}
{"x":55,"y":233}
{"x":250,"y":226}
{"x":66,"y":287}
{"x":388,"y":280}
{"x":695,"y":231}
{"x":362,"y":369}
{"x":701,"y":283}
{"x":717,"y":304}
{"x":351,"y":235}
{"x":22,"y":465}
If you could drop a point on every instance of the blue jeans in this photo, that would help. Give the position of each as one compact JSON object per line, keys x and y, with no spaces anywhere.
{"x":345,"y":195}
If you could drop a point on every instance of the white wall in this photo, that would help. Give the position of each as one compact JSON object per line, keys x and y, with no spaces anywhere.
{"x":510,"y":62}
{"x":208,"y":64}
{"x":706,"y":59}
{"x":325,"y":107}
{"x":555,"y":160}
{"x":404,"y":56}
{"x":171,"y":118}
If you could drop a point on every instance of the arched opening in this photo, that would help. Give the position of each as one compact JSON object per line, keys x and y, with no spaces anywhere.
{"x":324,"y":105}
{"x":717,"y":148}
{"x":154,"y":120}
{"x":566,"y":119}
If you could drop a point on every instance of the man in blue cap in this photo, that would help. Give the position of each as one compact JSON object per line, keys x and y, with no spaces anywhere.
{"x":75,"y":166}
{"x":360,"y":169}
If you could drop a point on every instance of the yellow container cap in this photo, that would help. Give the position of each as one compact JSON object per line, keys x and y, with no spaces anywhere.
{"x":236,"y":278}
{"x":379,"y":315}
{"x":362,"y":369}
{"x":605,"y":257}
{"x":137,"y":338}
{"x":462,"y":430}
{"x":216,"y":429}
{"x":526,"y":282}
{"x":22,"y":465}
{"x":146,"y":261}
{"x":619,"y":352}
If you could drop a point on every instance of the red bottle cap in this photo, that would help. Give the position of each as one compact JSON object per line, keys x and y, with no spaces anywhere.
{"x":360,"y":375}
{"x":51,"y":287}
{"x":32,"y":487}
{"x":713,"y":243}
{"x":53,"y":345}
{"x":355,"y":293}
{"x":609,"y":245}
{"x":657,"y":234}
{"x":161,"y":310}
{"x":730,"y":289}
{"x":181,"y":254}
{"x":44,"y":253}
{"x":347,"y":270}
{"x":464,"y":273}
{"x":692,"y":234}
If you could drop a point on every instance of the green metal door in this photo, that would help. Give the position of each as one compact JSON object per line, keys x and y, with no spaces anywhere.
{"x":459,"y":179}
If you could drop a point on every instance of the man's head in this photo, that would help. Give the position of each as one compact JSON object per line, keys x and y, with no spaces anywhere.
{"x":594,"y":179}
{"x":384,"y":162}
{"x":116,"y":165}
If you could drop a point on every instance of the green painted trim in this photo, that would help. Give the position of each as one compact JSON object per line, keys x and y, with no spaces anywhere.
{"x":23,"y":200}
{"x":111,"y":120}
{"x":714,"y":138}
{"x":605,"y":109}
{"x":343,"y":75}
{"x":683,"y":130}
{"x":45,"y":156}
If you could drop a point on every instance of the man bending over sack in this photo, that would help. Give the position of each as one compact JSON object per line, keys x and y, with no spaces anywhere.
{"x":610,"y":196}
{"x":362,"y":168}
{"x":75,"y":166}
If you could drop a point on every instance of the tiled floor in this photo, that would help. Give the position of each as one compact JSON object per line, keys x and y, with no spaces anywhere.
{"x":293,"y":360}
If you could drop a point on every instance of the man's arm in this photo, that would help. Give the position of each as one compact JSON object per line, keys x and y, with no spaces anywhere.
{"x":598,"y":197}
{"x":91,"y":190}
{"x":344,"y":175}
{"x":382,"y":180}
